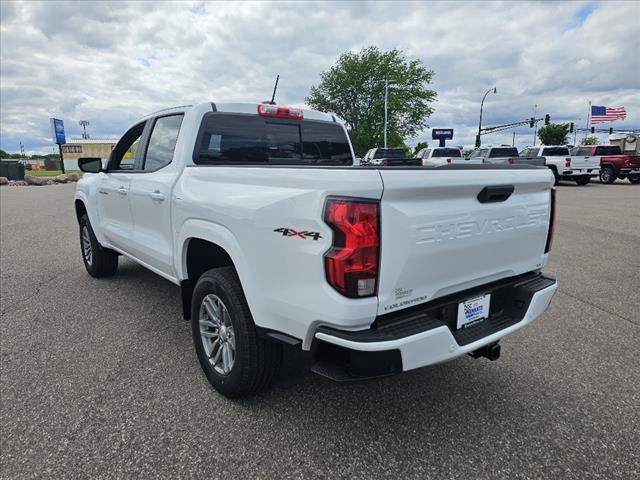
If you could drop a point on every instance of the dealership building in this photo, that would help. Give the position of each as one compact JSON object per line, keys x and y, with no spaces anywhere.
{"x":86,"y":147}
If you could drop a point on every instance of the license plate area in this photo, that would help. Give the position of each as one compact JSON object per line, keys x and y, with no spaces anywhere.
{"x":473,"y":310}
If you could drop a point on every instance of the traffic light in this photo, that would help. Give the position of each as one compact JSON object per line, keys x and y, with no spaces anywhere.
{"x":571,"y":127}
{"x":593,"y":129}
{"x":610,"y":130}
{"x":531,"y":122}
{"x":547,"y":119}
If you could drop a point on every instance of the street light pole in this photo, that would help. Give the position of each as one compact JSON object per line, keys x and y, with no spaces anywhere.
{"x":478,"y":141}
{"x":386,"y":96}
{"x":535,"y":130}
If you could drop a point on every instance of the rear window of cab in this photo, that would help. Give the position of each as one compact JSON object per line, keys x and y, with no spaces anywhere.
{"x":245,"y":139}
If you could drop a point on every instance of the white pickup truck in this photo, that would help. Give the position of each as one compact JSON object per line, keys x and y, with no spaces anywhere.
{"x":437,"y":156}
{"x":275,"y":238}
{"x":564,"y":166}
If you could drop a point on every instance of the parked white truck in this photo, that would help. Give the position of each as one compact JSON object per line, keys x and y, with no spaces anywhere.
{"x":565,"y":167}
{"x":436,"y":156}
{"x":275,"y":238}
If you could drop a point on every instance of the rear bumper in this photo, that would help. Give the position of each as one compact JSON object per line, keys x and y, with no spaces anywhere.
{"x":579,"y":172}
{"x":630,"y":171}
{"x":426,"y":334}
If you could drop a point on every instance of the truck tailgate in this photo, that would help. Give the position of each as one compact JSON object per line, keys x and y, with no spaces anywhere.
{"x":438,"y":238}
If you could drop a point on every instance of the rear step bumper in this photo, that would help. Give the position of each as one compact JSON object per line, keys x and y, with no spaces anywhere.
{"x":426,"y":334}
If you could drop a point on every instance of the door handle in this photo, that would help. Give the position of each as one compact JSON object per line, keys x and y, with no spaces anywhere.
{"x":157,"y":195}
{"x":103,"y":191}
{"x":122,"y":191}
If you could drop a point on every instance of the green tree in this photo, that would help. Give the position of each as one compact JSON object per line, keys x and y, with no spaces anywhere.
{"x":354,"y":89}
{"x":592,"y":140}
{"x":554,"y":134}
{"x":420,"y":146}
{"x":3,"y":154}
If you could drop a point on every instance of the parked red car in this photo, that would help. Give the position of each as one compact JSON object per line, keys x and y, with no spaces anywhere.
{"x":613,"y":163}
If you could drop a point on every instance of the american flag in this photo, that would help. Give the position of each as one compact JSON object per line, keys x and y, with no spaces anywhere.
{"x":607,"y":114}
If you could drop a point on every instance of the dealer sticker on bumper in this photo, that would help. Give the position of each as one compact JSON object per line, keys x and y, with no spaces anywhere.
{"x":473,"y":310}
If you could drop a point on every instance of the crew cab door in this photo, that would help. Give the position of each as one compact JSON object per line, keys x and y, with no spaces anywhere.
{"x":150,"y":195}
{"x":581,"y":157}
{"x":114,"y":211}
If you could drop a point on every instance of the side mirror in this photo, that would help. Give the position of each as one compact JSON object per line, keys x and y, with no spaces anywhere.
{"x":90,"y":164}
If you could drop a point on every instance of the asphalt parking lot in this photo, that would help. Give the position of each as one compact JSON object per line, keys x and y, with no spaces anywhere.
{"x":99,"y":378}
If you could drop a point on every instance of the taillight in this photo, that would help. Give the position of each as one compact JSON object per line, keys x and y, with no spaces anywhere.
{"x":279,"y":111}
{"x":385,"y":163}
{"x":510,"y":161}
{"x":545,"y":161}
{"x":552,"y":222}
{"x":567,"y":162}
{"x":448,"y":160}
{"x":351,"y":265}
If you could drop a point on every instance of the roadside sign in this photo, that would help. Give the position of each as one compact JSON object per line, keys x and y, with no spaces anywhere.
{"x":57,"y":130}
{"x":444,"y":133}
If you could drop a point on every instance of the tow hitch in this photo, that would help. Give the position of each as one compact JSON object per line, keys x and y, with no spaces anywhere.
{"x":491,"y":351}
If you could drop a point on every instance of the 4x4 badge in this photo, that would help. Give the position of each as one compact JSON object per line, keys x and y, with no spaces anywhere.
{"x":303,"y":234}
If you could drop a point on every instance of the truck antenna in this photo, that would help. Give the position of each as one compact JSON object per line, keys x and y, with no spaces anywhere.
{"x":275,"y":87}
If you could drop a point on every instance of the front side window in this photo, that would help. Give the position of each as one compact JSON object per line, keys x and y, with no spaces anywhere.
{"x":162,"y":142}
{"x":251,"y":139}
{"x":124,"y":154}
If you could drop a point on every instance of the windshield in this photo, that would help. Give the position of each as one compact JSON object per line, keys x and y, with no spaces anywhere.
{"x":446,"y":152}
{"x":250,"y":139}
{"x":608,"y":150}
{"x":556,"y":151}
{"x":503,"y":152}
{"x":390,"y":153}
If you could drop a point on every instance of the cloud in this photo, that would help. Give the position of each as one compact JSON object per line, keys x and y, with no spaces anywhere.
{"x":110,"y":63}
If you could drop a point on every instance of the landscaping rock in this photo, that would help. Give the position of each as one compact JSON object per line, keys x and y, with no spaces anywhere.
{"x":73,"y":177}
{"x":4,"y":181}
{"x":17,"y":183}
{"x":31,"y":180}
{"x":61,"y":178}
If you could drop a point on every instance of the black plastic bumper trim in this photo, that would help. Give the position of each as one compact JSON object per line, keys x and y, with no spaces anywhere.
{"x":510,"y":299}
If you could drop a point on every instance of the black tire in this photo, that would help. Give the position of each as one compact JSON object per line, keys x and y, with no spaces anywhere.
{"x":635,"y":179}
{"x":607,"y":175}
{"x":98,"y":260}
{"x":256,"y":360}
{"x":583,"y":180}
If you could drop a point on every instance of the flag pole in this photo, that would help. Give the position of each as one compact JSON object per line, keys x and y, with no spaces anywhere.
{"x":588,"y":121}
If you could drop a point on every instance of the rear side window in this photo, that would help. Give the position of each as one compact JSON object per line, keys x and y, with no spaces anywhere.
{"x":556,"y":151}
{"x":162,"y":142}
{"x":238,"y":139}
{"x":608,"y":150}
{"x":447,"y":152}
{"x":503,"y":152}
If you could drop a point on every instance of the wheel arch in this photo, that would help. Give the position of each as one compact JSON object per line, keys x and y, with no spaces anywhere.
{"x":202,"y":246}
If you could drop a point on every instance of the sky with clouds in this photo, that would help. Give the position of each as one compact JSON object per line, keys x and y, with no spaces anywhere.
{"x":110,"y":63}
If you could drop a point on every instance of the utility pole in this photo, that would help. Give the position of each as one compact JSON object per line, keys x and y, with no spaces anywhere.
{"x":513,"y":140}
{"x":84,"y":124}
